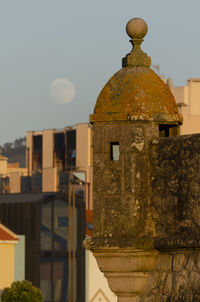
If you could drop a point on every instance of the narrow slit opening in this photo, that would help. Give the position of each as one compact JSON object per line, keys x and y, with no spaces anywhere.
{"x":114,"y":151}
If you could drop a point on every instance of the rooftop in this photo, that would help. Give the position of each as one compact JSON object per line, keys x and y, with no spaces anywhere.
{"x":7,"y":235}
{"x":136,"y":92}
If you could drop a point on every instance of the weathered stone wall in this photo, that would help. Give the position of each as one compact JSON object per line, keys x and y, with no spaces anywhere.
{"x":175,"y":204}
{"x":175,"y":186}
{"x":175,"y":278}
{"x":122,"y":187}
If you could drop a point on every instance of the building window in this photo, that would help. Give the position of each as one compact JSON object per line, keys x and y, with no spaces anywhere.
{"x":114,"y":151}
{"x":54,"y":279}
{"x":46,"y":227}
{"x":62,"y":221}
{"x":59,"y":251}
{"x":37,"y":153}
{"x":168,"y":130}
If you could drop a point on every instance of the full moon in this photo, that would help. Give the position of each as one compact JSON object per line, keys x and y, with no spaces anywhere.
{"x":62,"y":91}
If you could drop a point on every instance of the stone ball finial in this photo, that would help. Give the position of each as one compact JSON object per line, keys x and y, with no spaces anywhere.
{"x":136,"y":28}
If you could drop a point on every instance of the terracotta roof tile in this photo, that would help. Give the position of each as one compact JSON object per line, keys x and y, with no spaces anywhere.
{"x":6,"y":234}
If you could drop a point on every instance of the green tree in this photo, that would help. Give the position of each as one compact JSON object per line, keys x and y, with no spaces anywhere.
{"x":22,"y":291}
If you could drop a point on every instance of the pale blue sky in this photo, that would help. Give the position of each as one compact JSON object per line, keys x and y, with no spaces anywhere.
{"x":84,"y":41}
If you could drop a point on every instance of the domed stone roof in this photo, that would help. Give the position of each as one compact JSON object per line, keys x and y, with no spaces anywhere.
{"x":136,"y":92}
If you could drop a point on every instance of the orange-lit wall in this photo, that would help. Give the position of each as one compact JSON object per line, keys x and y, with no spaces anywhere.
{"x":6,"y":264}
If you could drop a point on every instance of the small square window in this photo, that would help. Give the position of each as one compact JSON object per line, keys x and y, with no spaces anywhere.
{"x":114,"y":151}
{"x":62,"y":221}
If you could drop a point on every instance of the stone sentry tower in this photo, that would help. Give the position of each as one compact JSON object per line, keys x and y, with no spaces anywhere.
{"x":142,"y":210}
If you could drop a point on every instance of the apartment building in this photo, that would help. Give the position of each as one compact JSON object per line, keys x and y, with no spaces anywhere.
{"x":47,"y":206}
{"x":54,"y":158}
{"x":188,"y":101}
{"x":54,"y":155}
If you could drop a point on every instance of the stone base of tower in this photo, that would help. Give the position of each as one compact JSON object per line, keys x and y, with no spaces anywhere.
{"x":126,"y":270}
